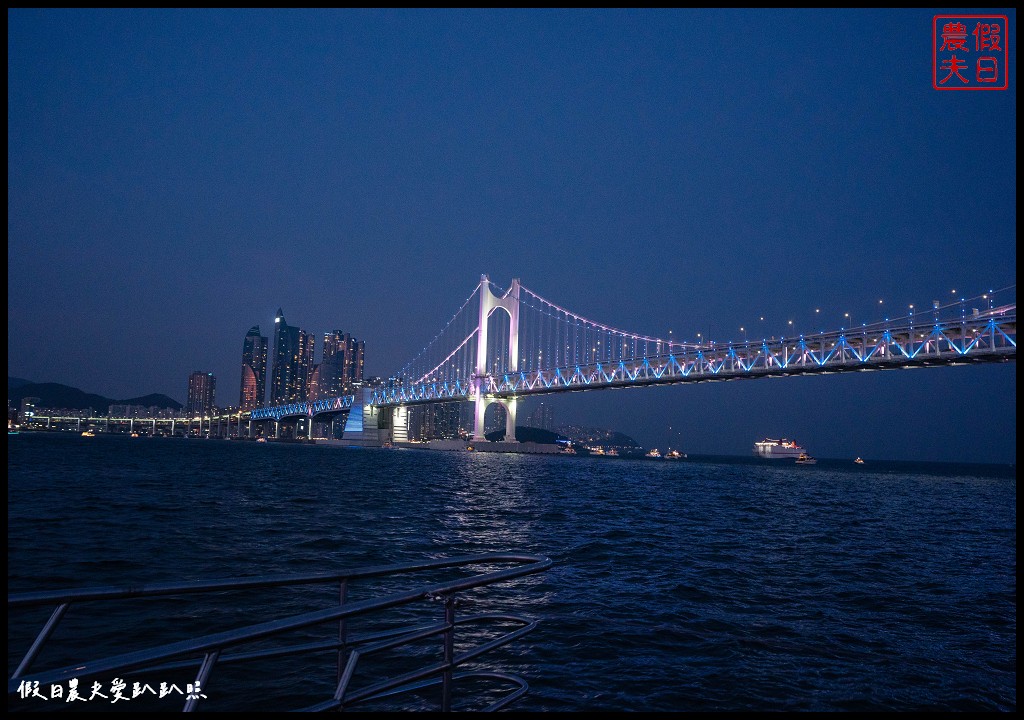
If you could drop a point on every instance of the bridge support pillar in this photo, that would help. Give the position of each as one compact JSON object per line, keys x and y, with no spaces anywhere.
{"x":366,"y":424}
{"x":481,"y":411}
{"x":488,"y":303}
{"x":400,"y":424}
{"x":510,"y":419}
{"x":478,"y":419}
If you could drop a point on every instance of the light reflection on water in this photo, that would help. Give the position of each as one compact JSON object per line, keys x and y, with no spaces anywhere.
{"x":686,"y":585}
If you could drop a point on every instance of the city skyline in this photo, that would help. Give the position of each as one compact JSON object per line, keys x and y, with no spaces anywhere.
{"x":179,"y":175}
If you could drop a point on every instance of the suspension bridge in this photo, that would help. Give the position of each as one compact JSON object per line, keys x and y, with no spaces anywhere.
{"x":504,"y":344}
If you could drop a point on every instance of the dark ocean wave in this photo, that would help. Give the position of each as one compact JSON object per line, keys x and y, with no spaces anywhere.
{"x":711,"y":585}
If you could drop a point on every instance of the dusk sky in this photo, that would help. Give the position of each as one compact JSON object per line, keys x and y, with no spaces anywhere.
{"x":175,"y":176}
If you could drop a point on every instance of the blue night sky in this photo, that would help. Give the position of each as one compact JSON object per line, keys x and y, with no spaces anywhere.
{"x":176,"y":176}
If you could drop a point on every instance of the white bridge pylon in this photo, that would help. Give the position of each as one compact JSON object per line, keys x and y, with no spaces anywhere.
{"x":489,"y":302}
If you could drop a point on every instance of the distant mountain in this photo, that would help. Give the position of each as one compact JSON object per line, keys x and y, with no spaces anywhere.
{"x":13,"y":382}
{"x":153,"y":400}
{"x":597,"y":436}
{"x":60,"y":396}
{"x":528,"y":434}
{"x":56,"y":395}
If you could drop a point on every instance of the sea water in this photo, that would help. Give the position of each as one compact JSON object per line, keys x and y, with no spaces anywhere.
{"x":705,"y":584}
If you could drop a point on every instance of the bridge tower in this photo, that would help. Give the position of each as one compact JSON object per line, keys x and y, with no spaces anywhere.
{"x":510,"y":304}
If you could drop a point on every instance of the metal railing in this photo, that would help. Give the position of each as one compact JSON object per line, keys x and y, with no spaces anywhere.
{"x":213,"y":650}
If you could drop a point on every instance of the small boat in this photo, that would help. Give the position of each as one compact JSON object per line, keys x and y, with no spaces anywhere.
{"x":135,"y":434}
{"x":859,"y":461}
{"x":261,"y":439}
{"x":805,"y":459}
{"x":654,"y":453}
{"x":673,"y":455}
{"x":568,"y":451}
{"x":612,"y":452}
{"x":88,"y":433}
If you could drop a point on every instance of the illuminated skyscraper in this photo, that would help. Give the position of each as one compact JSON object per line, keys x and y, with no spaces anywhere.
{"x":316,"y":388}
{"x":354,"y":366}
{"x":293,"y":362}
{"x":441,"y":421}
{"x":342,"y":366}
{"x":495,"y":417}
{"x":201,"y":388}
{"x":254,"y":370}
{"x":542,"y":417}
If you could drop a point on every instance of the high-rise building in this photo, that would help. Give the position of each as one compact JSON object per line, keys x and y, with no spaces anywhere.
{"x":444,"y":420}
{"x":201,"y":388}
{"x":293,"y":362}
{"x":28,"y":408}
{"x":494,"y":419}
{"x":254,"y":369}
{"x":542,"y":417}
{"x":307,"y":345}
{"x":354,"y":367}
{"x":332,"y":368}
{"x":316,"y":389}
{"x":342,"y":366}
{"x":435,"y":421}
